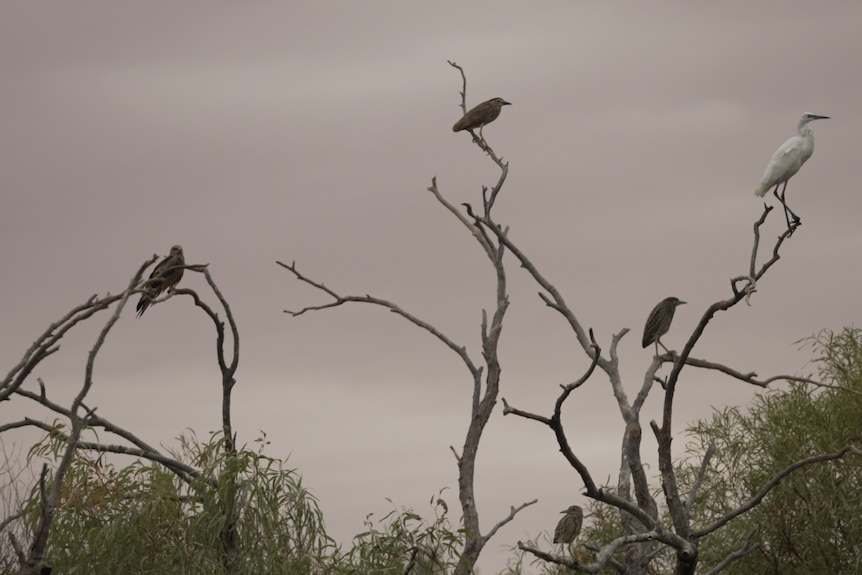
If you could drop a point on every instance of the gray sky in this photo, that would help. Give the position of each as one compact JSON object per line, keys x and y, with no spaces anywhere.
{"x":309,"y":131}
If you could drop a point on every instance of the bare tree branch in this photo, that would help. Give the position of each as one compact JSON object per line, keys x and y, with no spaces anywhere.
{"x":771,"y":484}
{"x":704,"y":465}
{"x":555,"y":301}
{"x":486,"y":379}
{"x":477,"y":231}
{"x":95,"y":420}
{"x":512,"y":512}
{"x":19,"y":551}
{"x":593,"y":491}
{"x":11,"y":519}
{"x":751,"y":377}
{"x":602,"y":557}
{"x":461,"y":351}
{"x":664,"y":433}
{"x":746,"y":549}
{"x":184,"y":472}
{"x":36,"y":554}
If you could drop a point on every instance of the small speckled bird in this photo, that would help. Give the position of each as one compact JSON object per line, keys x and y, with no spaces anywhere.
{"x":484,"y":113}
{"x":166,"y":275}
{"x":569,"y":526}
{"x":658,"y":322}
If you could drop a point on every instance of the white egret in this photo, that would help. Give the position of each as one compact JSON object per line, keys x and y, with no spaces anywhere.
{"x":786,"y":162}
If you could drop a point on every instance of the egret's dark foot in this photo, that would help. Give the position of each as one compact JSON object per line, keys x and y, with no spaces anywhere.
{"x":791,"y":226}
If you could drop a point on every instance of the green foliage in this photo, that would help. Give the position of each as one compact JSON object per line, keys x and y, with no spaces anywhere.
{"x":140,"y":518}
{"x":810,"y":523}
{"x":403,"y":542}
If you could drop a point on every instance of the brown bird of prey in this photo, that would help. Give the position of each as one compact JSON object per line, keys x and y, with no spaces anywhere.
{"x":569,"y":526}
{"x":658,"y":322}
{"x":166,"y":275}
{"x":484,"y":113}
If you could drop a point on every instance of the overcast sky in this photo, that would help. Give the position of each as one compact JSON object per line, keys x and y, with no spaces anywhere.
{"x":309,"y":131}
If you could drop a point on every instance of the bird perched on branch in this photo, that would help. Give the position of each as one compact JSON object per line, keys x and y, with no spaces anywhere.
{"x":569,"y":527}
{"x":658,"y":322}
{"x":786,"y":162}
{"x":166,"y":275}
{"x":484,"y":113}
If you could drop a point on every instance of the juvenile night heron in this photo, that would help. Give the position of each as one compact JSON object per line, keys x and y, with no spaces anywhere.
{"x":658,"y":322}
{"x":786,"y":162}
{"x":484,"y":113}
{"x":569,"y":526}
{"x":166,"y":275}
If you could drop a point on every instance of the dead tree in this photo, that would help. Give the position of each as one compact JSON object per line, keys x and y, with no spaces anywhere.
{"x":82,"y":417}
{"x":646,"y":535}
{"x":485,"y":378}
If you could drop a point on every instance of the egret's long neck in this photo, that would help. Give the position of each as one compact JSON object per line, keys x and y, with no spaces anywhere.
{"x":805,"y":132}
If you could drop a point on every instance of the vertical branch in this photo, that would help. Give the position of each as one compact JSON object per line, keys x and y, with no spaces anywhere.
{"x":480,"y":415}
{"x":483,"y":403}
{"x":687,"y":558}
{"x":228,"y":482}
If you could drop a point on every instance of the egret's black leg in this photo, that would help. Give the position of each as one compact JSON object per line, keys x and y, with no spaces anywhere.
{"x":796,"y":219}
{"x":780,"y":198}
{"x":788,"y":213}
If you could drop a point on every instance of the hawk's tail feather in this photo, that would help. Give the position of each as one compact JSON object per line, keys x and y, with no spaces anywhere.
{"x":143,"y":304}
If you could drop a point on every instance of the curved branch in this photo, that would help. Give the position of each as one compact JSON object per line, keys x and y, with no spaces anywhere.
{"x":461,"y":351}
{"x":228,"y":371}
{"x":751,"y":377}
{"x":555,"y":421}
{"x":664,"y":434}
{"x":512,"y":512}
{"x":602,"y":557}
{"x":184,"y":472}
{"x":746,"y":549}
{"x":770,"y":485}
{"x":94,"y":421}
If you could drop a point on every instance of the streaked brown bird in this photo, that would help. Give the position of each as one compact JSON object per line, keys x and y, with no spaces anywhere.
{"x":484,"y":113}
{"x":658,"y":322}
{"x":166,"y":275}
{"x":569,"y":526}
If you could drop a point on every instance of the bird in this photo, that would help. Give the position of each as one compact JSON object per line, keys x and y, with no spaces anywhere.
{"x":480,"y":115}
{"x":569,"y":527}
{"x":166,"y":275}
{"x":786,"y":161}
{"x":658,"y":322}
